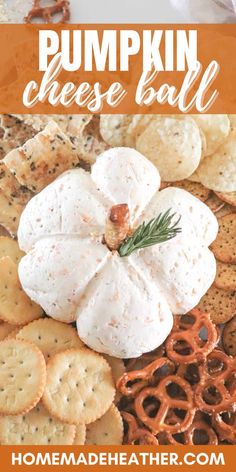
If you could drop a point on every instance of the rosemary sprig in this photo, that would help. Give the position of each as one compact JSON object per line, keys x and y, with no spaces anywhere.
{"x":157,"y":231}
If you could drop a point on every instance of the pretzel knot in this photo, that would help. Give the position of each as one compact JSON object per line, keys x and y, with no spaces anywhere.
{"x":132,"y":382}
{"x":199,"y":432}
{"x":135,"y":434}
{"x":186,"y":343}
{"x":225,"y":425}
{"x":47,"y":12}
{"x":172,"y":395}
{"x":217,"y":391}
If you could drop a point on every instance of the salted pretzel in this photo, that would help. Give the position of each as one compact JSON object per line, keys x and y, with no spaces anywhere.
{"x":172,"y":394}
{"x":217,"y":391}
{"x":132,"y":382}
{"x":47,"y":12}
{"x":184,"y":344}
{"x":135,"y":434}
{"x":225,"y":425}
{"x":200,"y":428}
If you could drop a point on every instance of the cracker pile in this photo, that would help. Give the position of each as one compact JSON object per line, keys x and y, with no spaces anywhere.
{"x":53,"y":390}
{"x":50,"y":383}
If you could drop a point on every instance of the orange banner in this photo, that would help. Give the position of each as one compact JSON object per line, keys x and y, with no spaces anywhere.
{"x":100,"y":68}
{"x":182,"y":458}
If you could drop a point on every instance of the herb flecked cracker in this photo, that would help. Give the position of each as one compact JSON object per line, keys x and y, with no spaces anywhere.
{"x":50,"y":336}
{"x":224,"y":247}
{"x":16,"y":307}
{"x":195,"y":188}
{"x":37,"y":427}
{"x":41,"y":159}
{"x":229,"y":337}
{"x":22,"y":376}
{"x":220,"y":304}
{"x":107,"y":430}
{"x":225,"y":276}
{"x":79,"y":386}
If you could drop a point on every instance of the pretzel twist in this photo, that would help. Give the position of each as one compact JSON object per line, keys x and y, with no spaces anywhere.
{"x":135,"y":433}
{"x":47,"y":13}
{"x":140,"y":378}
{"x":186,"y":337}
{"x":157,"y":422}
{"x":217,"y":392}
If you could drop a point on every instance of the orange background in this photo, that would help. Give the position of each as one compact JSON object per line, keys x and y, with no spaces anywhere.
{"x":229,"y":456}
{"x":19,"y":65}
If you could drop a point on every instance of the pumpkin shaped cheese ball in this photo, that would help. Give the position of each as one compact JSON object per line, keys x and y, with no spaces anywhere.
{"x":111,"y":251}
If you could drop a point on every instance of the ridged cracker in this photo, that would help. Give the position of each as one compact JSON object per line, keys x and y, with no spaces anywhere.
{"x":229,"y":337}
{"x":218,"y":171}
{"x":79,"y":386}
{"x":225,"y":276}
{"x":228,"y":197}
{"x":224,"y":247}
{"x":215,"y":128}
{"x":107,"y":430}
{"x":172,"y":145}
{"x":14,"y":332}
{"x":41,"y":159}
{"x":15,"y":306}
{"x":220,"y":304}
{"x":9,"y":247}
{"x":50,"y":336}
{"x":22,"y":376}
{"x":113,"y":129}
{"x":37,"y":427}
{"x":80,"y":435}
{"x":195,"y":188}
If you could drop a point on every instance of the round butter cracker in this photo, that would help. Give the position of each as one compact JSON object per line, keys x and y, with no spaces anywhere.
{"x":79,"y":386}
{"x":22,"y":376}
{"x":107,"y":430}
{"x":80,"y":435}
{"x":15,"y":306}
{"x":37,"y":427}
{"x":50,"y":336}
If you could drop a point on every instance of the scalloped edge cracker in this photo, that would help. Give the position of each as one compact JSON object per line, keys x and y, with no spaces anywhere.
{"x":16,"y":307}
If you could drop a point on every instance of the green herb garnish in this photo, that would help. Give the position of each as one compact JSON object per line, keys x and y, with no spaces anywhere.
{"x":157,"y":231}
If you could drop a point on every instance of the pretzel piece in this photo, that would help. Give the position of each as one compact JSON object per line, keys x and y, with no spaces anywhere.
{"x":47,"y":12}
{"x":181,"y":399}
{"x":185,"y":343}
{"x":135,"y":434}
{"x":132,"y":382}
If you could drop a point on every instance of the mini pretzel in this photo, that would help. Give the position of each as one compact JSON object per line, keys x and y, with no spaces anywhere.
{"x":225,"y":425}
{"x":187,"y":437}
{"x":135,"y":434}
{"x":184,"y":344}
{"x":217,"y":392}
{"x":140,"y":378}
{"x":158,"y":422}
{"x":46,"y":13}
